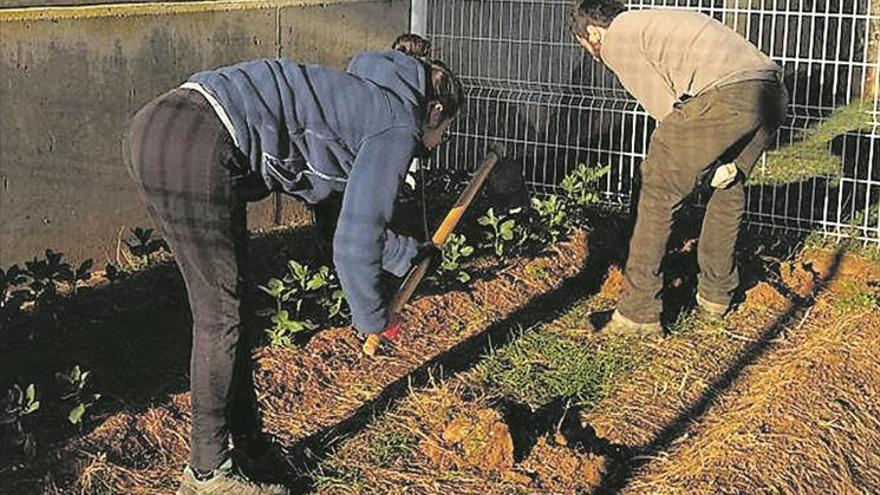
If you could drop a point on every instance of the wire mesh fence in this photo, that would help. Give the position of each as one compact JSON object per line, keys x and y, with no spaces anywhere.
{"x":530,"y":86}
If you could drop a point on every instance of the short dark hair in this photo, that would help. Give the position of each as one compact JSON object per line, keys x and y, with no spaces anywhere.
{"x":443,"y":87}
{"x":412,"y":44}
{"x":594,"y":13}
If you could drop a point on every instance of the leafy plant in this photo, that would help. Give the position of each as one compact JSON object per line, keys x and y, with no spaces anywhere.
{"x":12,"y":296}
{"x":17,"y":404}
{"x":552,"y":219}
{"x":144,"y":247}
{"x":454,"y":251}
{"x":75,"y":391}
{"x":82,"y":273}
{"x":45,"y":273}
{"x":112,"y":273}
{"x":504,"y":236}
{"x":579,"y":188}
{"x":283,"y":328}
{"x":329,"y":293}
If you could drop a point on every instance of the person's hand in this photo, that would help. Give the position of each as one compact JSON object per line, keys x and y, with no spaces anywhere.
{"x":724,"y":176}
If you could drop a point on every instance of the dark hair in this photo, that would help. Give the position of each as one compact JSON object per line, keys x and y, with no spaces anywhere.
{"x":412,"y":44}
{"x":443,"y":87}
{"x":594,"y":13}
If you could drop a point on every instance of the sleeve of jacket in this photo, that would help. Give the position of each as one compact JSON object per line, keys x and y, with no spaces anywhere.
{"x":398,"y":253}
{"x":359,"y":245}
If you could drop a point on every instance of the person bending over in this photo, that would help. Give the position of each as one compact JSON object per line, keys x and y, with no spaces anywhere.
{"x":718,"y":102}
{"x":201,"y":151}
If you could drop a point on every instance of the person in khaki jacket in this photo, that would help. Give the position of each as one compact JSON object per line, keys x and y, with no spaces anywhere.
{"x":718,"y":102}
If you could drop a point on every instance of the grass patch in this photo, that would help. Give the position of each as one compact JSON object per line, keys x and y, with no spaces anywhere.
{"x":539,"y":367}
{"x":854,"y":297}
{"x":811,"y":155}
{"x":685,"y":322}
{"x":389,"y":445}
{"x":347,"y":480}
{"x":865,"y":250}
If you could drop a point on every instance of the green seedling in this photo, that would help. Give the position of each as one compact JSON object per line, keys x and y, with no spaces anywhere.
{"x":112,"y":273}
{"x":504,"y":236}
{"x":144,"y":247}
{"x":579,"y":185}
{"x":12,"y":296}
{"x":46,"y":273}
{"x":854,"y":297}
{"x":75,"y":391}
{"x":82,"y":274}
{"x":17,"y":404}
{"x":453,"y":254}
{"x":552,"y":220}
{"x":280,"y":292}
{"x":283,"y":329}
{"x":329,"y":293}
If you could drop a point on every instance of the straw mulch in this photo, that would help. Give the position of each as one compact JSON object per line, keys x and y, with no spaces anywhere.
{"x":305,"y":390}
{"x":804,"y":420}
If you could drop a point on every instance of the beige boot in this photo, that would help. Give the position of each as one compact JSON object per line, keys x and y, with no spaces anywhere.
{"x":225,"y":481}
{"x":621,"y":325}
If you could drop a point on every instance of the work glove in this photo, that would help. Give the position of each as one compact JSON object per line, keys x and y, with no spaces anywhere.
{"x":392,"y":328}
{"x":724,"y":175}
{"x":375,"y":341}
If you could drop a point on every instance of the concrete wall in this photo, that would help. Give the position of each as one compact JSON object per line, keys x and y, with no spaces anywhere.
{"x":71,"y":77}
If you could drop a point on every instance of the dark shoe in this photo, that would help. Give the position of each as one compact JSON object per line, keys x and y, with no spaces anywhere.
{"x":712,"y":309}
{"x":621,"y":325}
{"x":225,"y":481}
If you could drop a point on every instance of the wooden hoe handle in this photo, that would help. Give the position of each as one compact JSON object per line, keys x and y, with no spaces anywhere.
{"x":418,"y":272}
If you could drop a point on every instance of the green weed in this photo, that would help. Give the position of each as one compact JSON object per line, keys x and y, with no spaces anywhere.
{"x":388,"y":445}
{"x":854,"y":298}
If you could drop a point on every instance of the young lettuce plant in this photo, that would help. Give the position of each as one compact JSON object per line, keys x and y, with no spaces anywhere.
{"x":454,"y":251}
{"x":74,"y":390}
{"x":14,"y":407}
{"x":504,"y":236}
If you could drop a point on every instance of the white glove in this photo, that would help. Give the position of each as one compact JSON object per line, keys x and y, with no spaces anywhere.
{"x":724,"y":176}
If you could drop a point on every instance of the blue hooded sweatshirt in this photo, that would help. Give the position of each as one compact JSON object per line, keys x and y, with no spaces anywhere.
{"x":309,"y":131}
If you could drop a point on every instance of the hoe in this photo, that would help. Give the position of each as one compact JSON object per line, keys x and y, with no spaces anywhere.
{"x":506,"y":188}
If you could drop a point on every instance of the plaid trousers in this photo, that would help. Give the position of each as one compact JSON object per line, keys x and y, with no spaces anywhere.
{"x":195,"y":184}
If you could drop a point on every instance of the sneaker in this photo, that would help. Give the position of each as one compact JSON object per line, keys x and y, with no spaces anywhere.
{"x":225,"y":481}
{"x":713,"y":309}
{"x":621,"y":325}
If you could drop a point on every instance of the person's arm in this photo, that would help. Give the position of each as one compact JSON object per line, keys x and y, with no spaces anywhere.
{"x":398,"y":253}
{"x":367,"y":207}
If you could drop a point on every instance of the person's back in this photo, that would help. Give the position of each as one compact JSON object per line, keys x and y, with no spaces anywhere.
{"x":662,"y":55}
{"x":301,"y":125}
